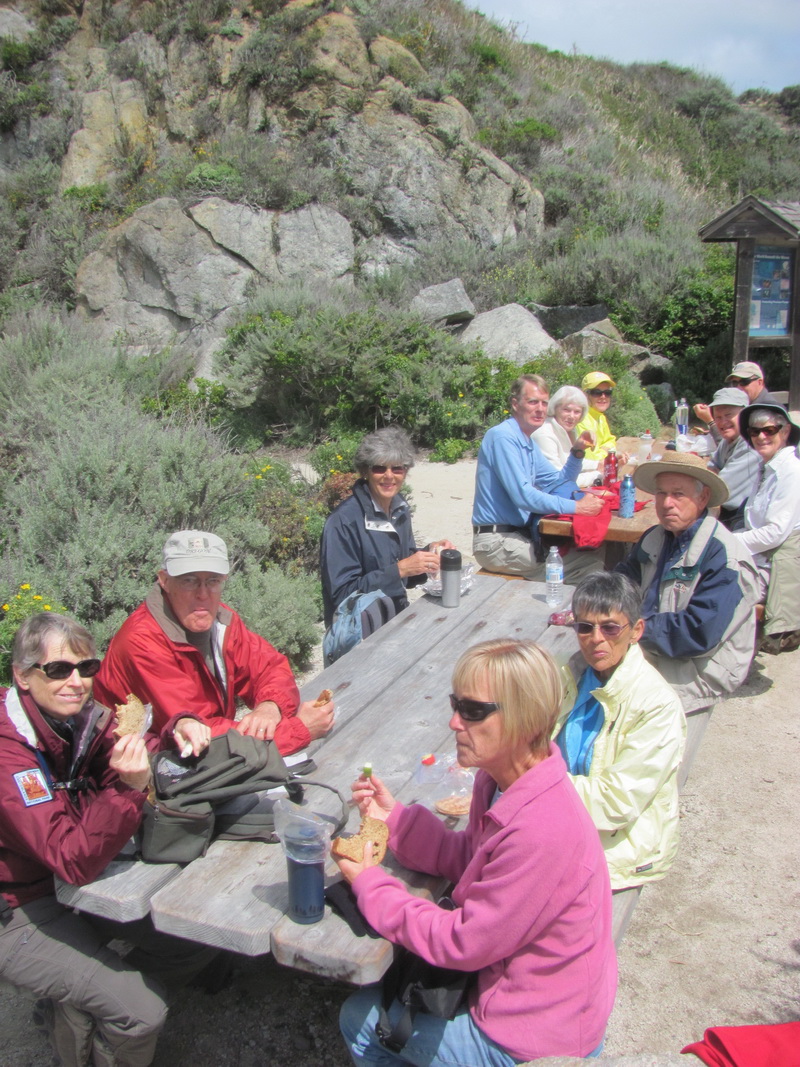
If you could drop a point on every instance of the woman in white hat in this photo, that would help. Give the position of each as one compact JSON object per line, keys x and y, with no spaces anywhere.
{"x":772,"y":522}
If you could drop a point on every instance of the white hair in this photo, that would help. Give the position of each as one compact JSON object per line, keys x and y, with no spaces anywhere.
{"x":568,"y":394}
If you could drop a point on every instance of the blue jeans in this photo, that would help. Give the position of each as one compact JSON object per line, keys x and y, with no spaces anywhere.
{"x":434,"y":1042}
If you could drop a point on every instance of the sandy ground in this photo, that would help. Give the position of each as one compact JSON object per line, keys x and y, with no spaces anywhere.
{"x":717,"y":942}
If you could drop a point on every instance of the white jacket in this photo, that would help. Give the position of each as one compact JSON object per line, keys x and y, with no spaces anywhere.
{"x":555,"y":443}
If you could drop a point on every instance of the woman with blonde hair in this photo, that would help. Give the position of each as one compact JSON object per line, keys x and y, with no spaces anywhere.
{"x":532,"y":902}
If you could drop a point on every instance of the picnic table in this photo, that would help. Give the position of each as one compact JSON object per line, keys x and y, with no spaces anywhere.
{"x":391,"y":694}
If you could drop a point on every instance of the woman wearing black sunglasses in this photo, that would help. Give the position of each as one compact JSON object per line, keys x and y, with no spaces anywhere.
{"x":621,"y":732}
{"x":599,"y":389}
{"x":532,"y":900}
{"x":772,"y":522}
{"x":368,"y":545}
{"x":70,"y":798}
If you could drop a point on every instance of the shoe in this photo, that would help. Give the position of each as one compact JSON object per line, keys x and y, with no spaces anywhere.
{"x":770,"y":644}
{"x":790,"y":640}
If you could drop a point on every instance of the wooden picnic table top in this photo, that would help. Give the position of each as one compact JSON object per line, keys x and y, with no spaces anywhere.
{"x":391,"y":695}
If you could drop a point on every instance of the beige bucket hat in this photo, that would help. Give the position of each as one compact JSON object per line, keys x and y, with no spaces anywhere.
{"x":644,"y":477}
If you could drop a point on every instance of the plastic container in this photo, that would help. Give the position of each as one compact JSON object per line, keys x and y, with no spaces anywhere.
{"x":627,"y":498}
{"x":554,"y":577}
{"x":450,"y":570}
{"x":305,"y":840}
{"x":682,"y":417}
{"x":645,"y":446}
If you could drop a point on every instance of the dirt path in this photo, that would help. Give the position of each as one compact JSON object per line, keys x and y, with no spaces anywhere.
{"x":716,"y":942}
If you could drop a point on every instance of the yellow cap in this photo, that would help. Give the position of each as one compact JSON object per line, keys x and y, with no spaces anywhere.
{"x":595,"y":378}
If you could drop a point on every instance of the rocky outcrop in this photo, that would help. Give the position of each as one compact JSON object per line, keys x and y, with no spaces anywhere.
{"x":165,"y":275}
{"x":510,"y":332}
{"x":444,"y":305}
{"x":564,"y":319}
{"x":114,"y":125}
{"x":596,"y":339}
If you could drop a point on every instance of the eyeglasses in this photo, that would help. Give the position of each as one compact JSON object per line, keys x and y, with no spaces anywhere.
{"x":601,"y":392}
{"x":193,"y":583}
{"x":607,"y":629}
{"x":472,"y":710}
{"x":59,"y":669}
{"x":769,"y":431}
{"x":740,"y":381}
{"x":376,"y":468}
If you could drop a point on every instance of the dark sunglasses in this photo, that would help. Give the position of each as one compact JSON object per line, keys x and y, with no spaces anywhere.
{"x":472,"y":710}
{"x":601,"y":392}
{"x":376,"y":468}
{"x":770,"y":431}
{"x":740,"y":381}
{"x":607,"y":629}
{"x":59,"y":669}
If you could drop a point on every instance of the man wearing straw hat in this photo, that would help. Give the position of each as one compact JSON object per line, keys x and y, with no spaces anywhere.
{"x":699,"y":585}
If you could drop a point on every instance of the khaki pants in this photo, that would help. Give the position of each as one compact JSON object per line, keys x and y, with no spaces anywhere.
{"x":513,"y":553}
{"x":104,"y":1012}
{"x":782,"y":609}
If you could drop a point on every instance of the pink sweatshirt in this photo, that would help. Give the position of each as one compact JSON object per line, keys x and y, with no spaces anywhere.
{"x":533,"y":910}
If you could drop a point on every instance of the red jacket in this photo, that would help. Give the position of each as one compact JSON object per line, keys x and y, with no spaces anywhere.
{"x":46,"y":831}
{"x":150,"y":657}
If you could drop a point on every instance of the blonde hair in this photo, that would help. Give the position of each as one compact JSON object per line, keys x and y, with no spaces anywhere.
{"x":523,"y":679}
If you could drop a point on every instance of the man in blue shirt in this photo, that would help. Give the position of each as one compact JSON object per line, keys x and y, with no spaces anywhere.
{"x":515,"y":485}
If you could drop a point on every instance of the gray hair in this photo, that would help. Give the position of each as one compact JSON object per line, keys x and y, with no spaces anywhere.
{"x":527,"y":379}
{"x":391,"y":446}
{"x":603,"y":593}
{"x":35,"y":633}
{"x":568,"y":394}
{"x":767,"y":417}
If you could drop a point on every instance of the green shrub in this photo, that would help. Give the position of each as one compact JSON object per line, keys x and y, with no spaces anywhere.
{"x":451,"y":450}
{"x":284,"y":610}
{"x":18,"y":606}
{"x":288,"y":507}
{"x":632,"y":411}
{"x":335,"y":456}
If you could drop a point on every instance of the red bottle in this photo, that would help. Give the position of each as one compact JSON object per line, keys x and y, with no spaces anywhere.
{"x":610,"y":469}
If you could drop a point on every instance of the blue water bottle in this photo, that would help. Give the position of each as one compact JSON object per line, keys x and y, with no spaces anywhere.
{"x":305,"y":862}
{"x":627,"y":498}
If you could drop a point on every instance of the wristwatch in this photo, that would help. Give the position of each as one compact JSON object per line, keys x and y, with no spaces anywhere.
{"x":578,"y":453}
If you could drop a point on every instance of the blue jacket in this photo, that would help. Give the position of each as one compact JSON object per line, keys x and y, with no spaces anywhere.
{"x":360,"y":550}
{"x":514,"y":480}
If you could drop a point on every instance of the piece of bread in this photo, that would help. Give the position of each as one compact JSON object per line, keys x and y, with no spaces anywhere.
{"x":457,"y":804}
{"x":324,"y":698}
{"x":130,"y":717}
{"x":352,"y":848}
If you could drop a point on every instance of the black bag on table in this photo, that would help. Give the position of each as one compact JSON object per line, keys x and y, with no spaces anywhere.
{"x":419,"y":986}
{"x":183,"y":816}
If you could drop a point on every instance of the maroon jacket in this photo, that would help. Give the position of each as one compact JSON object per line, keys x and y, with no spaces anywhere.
{"x":150,"y":657}
{"x":73,"y":833}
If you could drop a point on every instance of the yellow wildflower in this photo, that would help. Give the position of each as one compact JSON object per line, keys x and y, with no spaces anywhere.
{"x":5,"y":607}
{"x":46,"y":607}
{"x":258,"y":476}
{"x":36,"y":597}
{"x":25,"y":586}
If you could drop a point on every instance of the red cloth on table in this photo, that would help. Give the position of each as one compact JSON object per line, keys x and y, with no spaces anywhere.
{"x":589,"y":531}
{"x":749,"y":1046}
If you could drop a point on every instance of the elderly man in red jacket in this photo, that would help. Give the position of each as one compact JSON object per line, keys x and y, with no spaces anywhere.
{"x":193,"y":659}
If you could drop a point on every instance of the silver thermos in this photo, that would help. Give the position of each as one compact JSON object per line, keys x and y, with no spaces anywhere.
{"x":450,"y":569}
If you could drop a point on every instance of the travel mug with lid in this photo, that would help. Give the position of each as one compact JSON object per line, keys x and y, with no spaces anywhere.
{"x":450,"y":570}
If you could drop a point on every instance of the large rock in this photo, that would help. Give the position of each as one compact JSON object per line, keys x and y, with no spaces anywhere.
{"x":315,"y":241}
{"x":445,"y":304}
{"x":158,"y":274}
{"x":245,"y":231}
{"x":390,"y":57}
{"x":13,"y":24}
{"x":595,"y":340}
{"x":511,"y":332}
{"x":569,"y":318}
{"x":114,"y":123}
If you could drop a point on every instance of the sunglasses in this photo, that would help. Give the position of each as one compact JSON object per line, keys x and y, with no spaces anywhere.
{"x":770,"y":431}
{"x":601,"y":392}
{"x":376,"y":468}
{"x":472,"y":710}
{"x":59,"y":669}
{"x":607,"y":629}
{"x":740,"y":381}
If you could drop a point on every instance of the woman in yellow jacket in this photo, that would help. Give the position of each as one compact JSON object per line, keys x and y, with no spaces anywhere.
{"x":621,"y":731}
{"x":599,"y":389}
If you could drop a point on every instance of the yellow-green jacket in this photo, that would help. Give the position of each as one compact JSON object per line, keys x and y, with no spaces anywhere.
{"x":596,"y":423}
{"x":631,"y":790}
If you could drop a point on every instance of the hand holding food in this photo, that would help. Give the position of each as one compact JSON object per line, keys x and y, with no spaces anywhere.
{"x":352,"y":848}
{"x":131,"y":717}
{"x":372,"y":797}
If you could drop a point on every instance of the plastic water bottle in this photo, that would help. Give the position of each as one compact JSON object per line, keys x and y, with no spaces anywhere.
{"x":554,"y":576}
{"x":645,"y":446}
{"x":682,"y":417}
{"x":627,"y":498}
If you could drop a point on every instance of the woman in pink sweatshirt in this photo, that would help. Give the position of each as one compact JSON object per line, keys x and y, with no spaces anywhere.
{"x":532,"y":899}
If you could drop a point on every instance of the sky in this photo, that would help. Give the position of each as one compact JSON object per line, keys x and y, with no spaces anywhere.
{"x":750,"y":45}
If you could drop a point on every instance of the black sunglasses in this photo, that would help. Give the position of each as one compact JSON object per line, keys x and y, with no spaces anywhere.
{"x":472,"y":710}
{"x":770,"y":431}
{"x":607,"y":629}
{"x":601,"y":392}
{"x":59,"y":669}
{"x":376,"y":468}
{"x":740,"y":381}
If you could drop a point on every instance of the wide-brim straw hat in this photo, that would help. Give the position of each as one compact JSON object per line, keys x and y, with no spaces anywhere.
{"x":747,"y":414}
{"x":644,"y":477}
